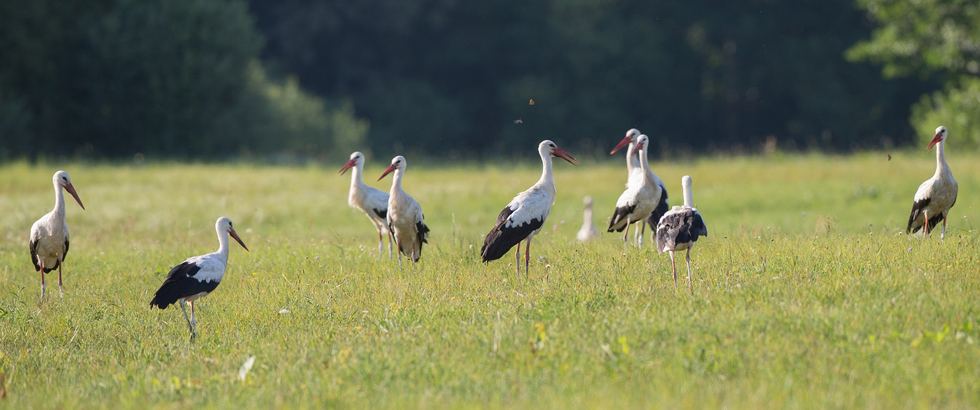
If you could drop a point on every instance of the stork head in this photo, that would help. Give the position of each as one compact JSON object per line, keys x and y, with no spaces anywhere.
{"x":62,"y":180}
{"x":642,"y":143}
{"x":940,"y":137}
{"x":356,"y":160}
{"x":549,"y":148}
{"x":588,"y":202}
{"x":397,"y":163}
{"x":631,"y":136}
{"x":223,"y":224}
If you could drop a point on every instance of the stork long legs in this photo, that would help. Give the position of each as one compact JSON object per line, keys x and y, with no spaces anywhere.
{"x":628,"y":221}
{"x":942,"y":236}
{"x":40,"y":261}
{"x":517,"y":259}
{"x":381,"y":244}
{"x":673,"y":267}
{"x":642,"y":230}
{"x":690,"y":279}
{"x":527,"y":256}
{"x":61,"y":290}
{"x":190,"y":326}
{"x":925,"y":223}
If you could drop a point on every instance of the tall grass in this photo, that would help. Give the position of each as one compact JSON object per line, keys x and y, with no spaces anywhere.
{"x":806,"y":294}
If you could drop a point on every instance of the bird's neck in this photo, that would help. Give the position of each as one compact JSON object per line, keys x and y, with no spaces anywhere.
{"x":355,"y":177}
{"x":941,"y":159}
{"x":59,"y":201}
{"x":644,"y":162}
{"x":222,"y":251}
{"x":588,"y":215}
{"x":547,"y":180}
{"x":688,"y":197}
{"x":631,"y":163}
{"x":396,"y":182}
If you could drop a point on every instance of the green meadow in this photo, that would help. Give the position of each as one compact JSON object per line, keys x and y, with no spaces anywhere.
{"x":807,"y":293}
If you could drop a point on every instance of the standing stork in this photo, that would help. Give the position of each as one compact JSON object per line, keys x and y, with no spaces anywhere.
{"x":524,"y":216}
{"x":632,"y":164}
{"x":679,"y":229}
{"x":637,"y":202}
{"x":936,"y":196}
{"x":588,"y":231}
{"x":197,"y":276}
{"x":373,"y":202}
{"x":405,"y":220}
{"x":49,"y":235}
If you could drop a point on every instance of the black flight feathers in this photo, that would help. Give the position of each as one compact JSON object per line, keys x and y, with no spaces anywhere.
{"x":917,"y":208}
{"x":37,"y":265}
{"x":680,"y":227}
{"x":500,"y":239}
{"x":180,"y":283}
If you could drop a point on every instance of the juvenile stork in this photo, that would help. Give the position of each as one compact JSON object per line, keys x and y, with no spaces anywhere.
{"x":936,"y":196}
{"x":524,"y":216}
{"x":49,"y":235}
{"x":637,"y":202}
{"x":633,"y":164}
{"x":679,"y":229}
{"x":588,"y":231}
{"x":405,"y":220}
{"x":197,"y":276}
{"x":373,"y":202}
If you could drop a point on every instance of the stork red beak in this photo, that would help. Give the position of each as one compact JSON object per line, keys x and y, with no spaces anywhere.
{"x":71,"y":190}
{"x":621,"y":144}
{"x":350,"y":164}
{"x":558,"y":152}
{"x":387,"y":171}
{"x":235,"y":235}
{"x":935,"y":140}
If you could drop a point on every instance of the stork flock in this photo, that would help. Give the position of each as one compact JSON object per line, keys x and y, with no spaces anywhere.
{"x":398,"y":216}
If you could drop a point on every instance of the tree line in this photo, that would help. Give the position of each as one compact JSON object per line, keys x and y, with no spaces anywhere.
{"x":221,"y":79}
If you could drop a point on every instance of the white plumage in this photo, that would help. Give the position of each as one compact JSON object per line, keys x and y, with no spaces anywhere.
{"x":197,"y":276}
{"x":588,"y":231}
{"x":937,"y":195}
{"x":373,"y":202}
{"x":661,"y":203}
{"x":49,"y":235}
{"x":405,"y":219}
{"x":637,"y":203}
{"x":679,"y":228}
{"x":524,"y":216}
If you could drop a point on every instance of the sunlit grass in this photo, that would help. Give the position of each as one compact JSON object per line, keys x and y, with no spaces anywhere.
{"x":806,"y":295}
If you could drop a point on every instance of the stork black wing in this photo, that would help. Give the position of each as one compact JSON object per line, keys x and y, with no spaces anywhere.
{"x":917,"y":208}
{"x":501,"y":238}
{"x":618,"y":221}
{"x":33,"y":246}
{"x":662,"y":207}
{"x":383,"y":213}
{"x":181,"y":283}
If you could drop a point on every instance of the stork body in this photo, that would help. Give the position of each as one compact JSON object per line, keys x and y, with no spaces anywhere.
{"x":404,"y":218}
{"x":197,"y":276}
{"x":679,"y":229}
{"x":524,"y":216}
{"x":937,"y":195}
{"x":661,"y":205}
{"x":373,"y":202}
{"x":49,"y":235}
{"x":637,"y":203}
{"x":588,"y":231}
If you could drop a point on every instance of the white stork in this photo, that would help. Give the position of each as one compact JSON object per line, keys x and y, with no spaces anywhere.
{"x":936,"y":196}
{"x":373,"y":202}
{"x":632,"y":164}
{"x":636,"y":204}
{"x":679,"y":229}
{"x":49,"y":235}
{"x":405,"y":220}
{"x":197,"y":276}
{"x":524,"y":216}
{"x":588,"y":231}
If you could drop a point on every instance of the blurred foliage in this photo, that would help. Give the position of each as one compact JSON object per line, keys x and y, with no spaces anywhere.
{"x":937,"y":39}
{"x":957,"y":107}
{"x":223,"y":78}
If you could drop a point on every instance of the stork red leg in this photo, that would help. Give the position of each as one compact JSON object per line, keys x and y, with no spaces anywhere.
{"x":527,"y":257}
{"x":40,"y":261}
{"x":674,"y":268}
{"x":625,"y":241}
{"x":61,"y":290}
{"x":642,"y":230}
{"x":943,"y":235}
{"x":925,"y":226}
{"x":690,"y":279}
{"x":517,"y":258}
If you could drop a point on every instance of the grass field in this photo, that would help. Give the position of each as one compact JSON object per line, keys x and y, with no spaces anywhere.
{"x":806,"y":293}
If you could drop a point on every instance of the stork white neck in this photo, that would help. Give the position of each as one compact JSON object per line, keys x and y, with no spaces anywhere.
{"x":688,"y":195}
{"x":355,"y":176}
{"x":941,"y":166}
{"x":222,"y":251}
{"x":59,"y":200}
{"x":547,"y":180}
